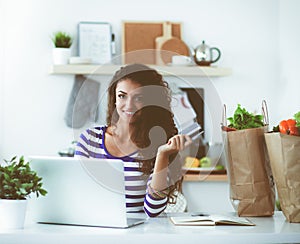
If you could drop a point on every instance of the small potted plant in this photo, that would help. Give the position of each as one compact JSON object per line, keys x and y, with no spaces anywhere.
{"x":62,"y":43}
{"x":17,"y":182}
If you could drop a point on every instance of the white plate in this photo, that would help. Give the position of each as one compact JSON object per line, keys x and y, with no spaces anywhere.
{"x":203,"y":169}
{"x":180,"y":65}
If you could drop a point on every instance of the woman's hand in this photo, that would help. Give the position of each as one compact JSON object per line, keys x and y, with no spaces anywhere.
{"x":160,"y":173}
{"x":175,"y":144}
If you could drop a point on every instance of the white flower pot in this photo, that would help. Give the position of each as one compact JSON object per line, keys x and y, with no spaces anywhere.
{"x":61,"y":55}
{"x":12,"y":213}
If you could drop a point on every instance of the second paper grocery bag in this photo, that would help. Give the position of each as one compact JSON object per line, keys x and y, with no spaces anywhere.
{"x":284,"y":151}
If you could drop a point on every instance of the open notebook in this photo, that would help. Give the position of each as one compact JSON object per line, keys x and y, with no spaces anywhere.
{"x":210,"y":220}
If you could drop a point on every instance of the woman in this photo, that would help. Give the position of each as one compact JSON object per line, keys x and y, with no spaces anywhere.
{"x":140,"y":131}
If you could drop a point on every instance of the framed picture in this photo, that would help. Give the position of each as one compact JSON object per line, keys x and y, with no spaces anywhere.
{"x":94,"y":41}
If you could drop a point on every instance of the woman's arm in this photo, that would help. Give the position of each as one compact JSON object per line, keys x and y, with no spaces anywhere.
{"x":81,"y":149}
{"x":88,"y":143}
{"x":162,"y":165}
{"x":154,"y":204}
{"x":158,"y":185}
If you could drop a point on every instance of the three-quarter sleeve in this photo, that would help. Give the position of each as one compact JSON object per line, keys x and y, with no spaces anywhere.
{"x":154,"y":204}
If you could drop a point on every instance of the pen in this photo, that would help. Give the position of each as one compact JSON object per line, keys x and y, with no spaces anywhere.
{"x":199,"y":214}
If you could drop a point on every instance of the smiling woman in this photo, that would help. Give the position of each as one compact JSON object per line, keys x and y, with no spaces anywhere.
{"x":140,"y":131}
{"x":127,"y":102}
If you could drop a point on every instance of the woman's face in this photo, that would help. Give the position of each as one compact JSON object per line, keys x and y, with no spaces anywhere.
{"x":129,"y":99}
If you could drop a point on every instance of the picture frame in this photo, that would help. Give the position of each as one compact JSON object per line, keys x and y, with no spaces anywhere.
{"x":95,"y":41}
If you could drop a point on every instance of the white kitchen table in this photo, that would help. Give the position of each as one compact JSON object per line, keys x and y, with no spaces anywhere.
{"x":273,"y":229}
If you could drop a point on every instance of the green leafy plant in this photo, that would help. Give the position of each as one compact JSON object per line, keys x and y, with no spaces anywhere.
{"x":62,"y":39}
{"x":242,"y":119}
{"x":297,"y":118}
{"x":18,"y":180}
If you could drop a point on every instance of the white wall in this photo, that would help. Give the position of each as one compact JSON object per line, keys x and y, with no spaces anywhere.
{"x":252,"y":35}
{"x":289,"y":41}
{"x":1,"y":75}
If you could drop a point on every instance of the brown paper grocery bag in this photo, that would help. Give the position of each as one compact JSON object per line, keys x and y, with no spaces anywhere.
{"x":252,"y":190}
{"x":284,"y":153}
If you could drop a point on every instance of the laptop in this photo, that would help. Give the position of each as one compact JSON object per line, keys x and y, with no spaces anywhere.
{"x":89,"y":192}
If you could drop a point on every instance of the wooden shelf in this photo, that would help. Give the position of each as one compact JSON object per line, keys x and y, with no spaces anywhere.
{"x":73,"y":69}
{"x":204,"y":177}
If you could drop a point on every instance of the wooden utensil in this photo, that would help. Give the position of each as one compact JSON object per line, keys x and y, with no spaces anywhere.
{"x":168,"y":45}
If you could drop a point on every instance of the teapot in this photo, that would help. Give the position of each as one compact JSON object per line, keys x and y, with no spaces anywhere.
{"x":203,"y":54}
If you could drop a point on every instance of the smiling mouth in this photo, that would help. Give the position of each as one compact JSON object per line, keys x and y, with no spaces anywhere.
{"x":129,"y":113}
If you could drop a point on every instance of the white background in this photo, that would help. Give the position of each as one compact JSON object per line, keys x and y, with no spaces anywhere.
{"x":259,"y":40}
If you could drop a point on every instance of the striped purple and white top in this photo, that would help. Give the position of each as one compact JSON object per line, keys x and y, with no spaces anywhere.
{"x":91,"y":145}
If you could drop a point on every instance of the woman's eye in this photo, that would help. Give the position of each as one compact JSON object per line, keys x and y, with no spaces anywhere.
{"x":121,"y":96}
{"x":139,"y":99}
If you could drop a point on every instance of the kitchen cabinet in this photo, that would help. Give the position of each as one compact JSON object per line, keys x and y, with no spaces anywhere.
{"x":207,"y":192}
{"x":207,"y":195}
{"x":212,"y":71}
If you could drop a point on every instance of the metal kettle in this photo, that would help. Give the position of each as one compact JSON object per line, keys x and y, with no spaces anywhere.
{"x":203,"y":54}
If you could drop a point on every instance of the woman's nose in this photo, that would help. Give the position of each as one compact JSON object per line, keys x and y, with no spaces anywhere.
{"x":129,"y":103}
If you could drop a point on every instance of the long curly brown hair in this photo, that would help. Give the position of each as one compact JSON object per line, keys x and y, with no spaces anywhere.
{"x":153,"y":125}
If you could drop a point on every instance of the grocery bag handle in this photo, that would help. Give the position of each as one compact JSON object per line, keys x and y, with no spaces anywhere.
{"x":264,"y":109}
{"x":265,"y":113}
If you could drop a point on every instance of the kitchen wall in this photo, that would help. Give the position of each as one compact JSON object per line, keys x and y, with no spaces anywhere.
{"x":289,"y":46}
{"x":259,"y":40}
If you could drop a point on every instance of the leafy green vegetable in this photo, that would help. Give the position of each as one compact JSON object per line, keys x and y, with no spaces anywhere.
{"x":242,"y":119}
{"x":297,"y":118}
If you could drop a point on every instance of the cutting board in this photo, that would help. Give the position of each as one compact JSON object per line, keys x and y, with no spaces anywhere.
{"x":138,"y":40}
{"x":167,"y":45}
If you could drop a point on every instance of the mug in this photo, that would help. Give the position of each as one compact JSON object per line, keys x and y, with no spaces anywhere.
{"x":181,"y":60}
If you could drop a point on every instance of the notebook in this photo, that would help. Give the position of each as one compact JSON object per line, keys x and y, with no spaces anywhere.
{"x":210,"y":220}
{"x":89,"y":192}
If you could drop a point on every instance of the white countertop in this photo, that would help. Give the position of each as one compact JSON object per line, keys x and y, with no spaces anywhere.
{"x":159,"y":230}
